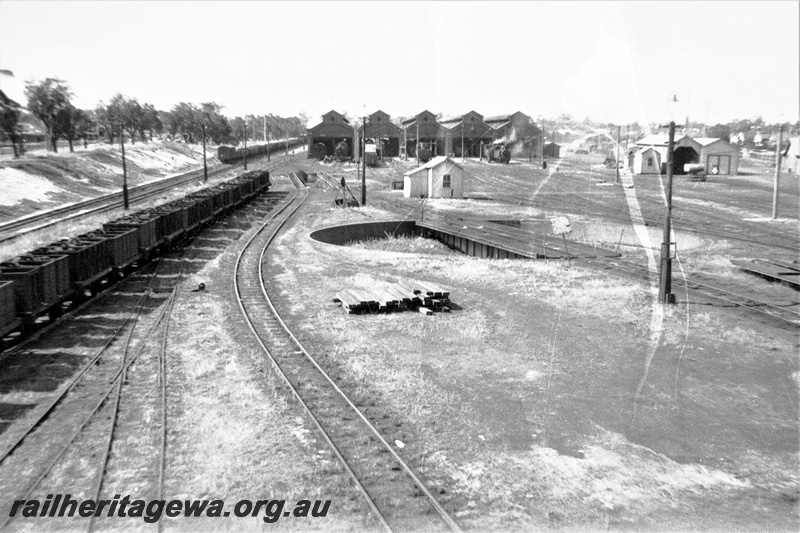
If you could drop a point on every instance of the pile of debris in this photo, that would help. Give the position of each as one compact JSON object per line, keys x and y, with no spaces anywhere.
{"x":416,"y":296}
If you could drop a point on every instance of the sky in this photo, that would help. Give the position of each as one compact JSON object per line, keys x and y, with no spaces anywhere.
{"x":617,"y":62}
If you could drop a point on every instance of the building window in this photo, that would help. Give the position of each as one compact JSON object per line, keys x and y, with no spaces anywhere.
{"x":472,"y":119}
{"x":650,"y":161}
{"x":446,"y":181}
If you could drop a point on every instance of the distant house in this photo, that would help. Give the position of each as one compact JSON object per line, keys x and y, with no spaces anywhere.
{"x":441,"y":177}
{"x":791,"y":155}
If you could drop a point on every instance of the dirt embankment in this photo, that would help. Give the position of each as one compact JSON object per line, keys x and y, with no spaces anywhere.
{"x":41,"y":180}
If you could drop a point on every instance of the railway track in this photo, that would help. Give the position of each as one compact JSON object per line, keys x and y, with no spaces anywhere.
{"x":17,"y":228}
{"x":80,"y":423}
{"x":786,"y":314}
{"x":399,"y":500}
{"x":56,"y":437}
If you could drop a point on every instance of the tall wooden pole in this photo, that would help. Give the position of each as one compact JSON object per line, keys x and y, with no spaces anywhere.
{"x":777,"y":174}
{"x":364,"y":164}
{"x":244,"y":152}
{"x":665,"y":273}
{"x":125,"y":202}
{"x":205,"y":165}
{"x":542,"y":156}
{"x":417,"y":143}
{"x":616,"y":163}
{"x":462,"y":140}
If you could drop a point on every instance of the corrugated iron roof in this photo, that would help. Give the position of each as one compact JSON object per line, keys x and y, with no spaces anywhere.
{"x":435,"y":162}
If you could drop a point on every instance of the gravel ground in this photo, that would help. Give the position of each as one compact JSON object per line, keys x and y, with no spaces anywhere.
{"x":544,"y":400}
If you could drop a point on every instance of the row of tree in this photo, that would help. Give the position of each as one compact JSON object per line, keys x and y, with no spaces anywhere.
{"x":49,"y":101}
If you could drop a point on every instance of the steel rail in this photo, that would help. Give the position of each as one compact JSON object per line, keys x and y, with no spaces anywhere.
{"x":9,"y":449}
{"x":443,"y":514}
{"x":286,"y":380}
{"x":54,"y":460}
{"x":100,"y":204}
{"x":691,"y":286}
{"x":118,"y":392}
{"x":113,"y":201}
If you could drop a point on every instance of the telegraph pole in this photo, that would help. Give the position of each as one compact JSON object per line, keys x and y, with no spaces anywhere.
{"x":205,"y":165}
{"x":665,"y":295}
{"x":462,"y":140}
{"x":417,"y":143}
{"x":777,"y":174}
{"x":244,"y":153}
{"x":364,"y":164}
{"x":125,"y":202}
{"x":616,"y":163}
{"x":542,"y":157}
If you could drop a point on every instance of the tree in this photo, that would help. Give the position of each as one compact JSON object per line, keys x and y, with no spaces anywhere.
{"x":217,"y":126}
{"x":239,"y":126}
{"x":150,"y":121}
{"x":132,"y":114}
{"x":65,"y":122}
{"x":106,"y":119}
{"x":721,"y":131}
{"x":9,"y":121}
{"x":45,"y":100}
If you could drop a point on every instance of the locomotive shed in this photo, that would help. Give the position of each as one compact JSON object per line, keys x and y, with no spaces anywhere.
{"x":520,"y":409}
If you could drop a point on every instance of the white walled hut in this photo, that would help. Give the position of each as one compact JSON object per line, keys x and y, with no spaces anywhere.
{"x":441,"y":177}
{"x":647,"y":160}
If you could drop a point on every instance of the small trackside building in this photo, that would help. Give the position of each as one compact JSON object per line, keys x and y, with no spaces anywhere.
{"x":441,"y":177}
{"x":333,"y":129}
{"x":647,"y":160}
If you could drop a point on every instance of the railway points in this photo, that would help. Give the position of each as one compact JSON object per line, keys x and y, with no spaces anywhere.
{"x":342,"y":394}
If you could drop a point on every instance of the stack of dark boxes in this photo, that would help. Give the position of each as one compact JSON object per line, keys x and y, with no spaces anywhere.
{"x":425,"y":298}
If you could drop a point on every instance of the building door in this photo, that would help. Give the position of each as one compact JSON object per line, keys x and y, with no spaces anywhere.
{"x":718,"y":164}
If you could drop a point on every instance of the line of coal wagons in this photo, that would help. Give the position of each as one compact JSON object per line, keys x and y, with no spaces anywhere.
{"x":54,"y":278}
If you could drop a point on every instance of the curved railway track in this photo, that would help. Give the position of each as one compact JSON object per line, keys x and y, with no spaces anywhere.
{"x":80,"y":422}
{"x":395,"y":494}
